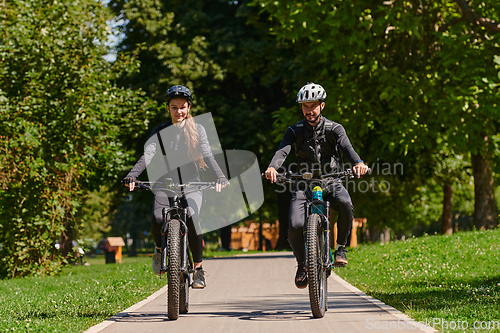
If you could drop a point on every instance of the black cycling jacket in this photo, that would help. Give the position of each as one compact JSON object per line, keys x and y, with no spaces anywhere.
{"x":310,"y":132}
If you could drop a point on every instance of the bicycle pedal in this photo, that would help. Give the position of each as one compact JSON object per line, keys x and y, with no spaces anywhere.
{"x":340,"y":264}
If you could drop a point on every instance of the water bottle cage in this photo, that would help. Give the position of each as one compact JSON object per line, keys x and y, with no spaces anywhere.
{"x":317,"y":207}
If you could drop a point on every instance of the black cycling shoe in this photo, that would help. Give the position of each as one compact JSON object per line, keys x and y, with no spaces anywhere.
{"x":199,"y":279}
{"x":301,"y":277}
{"x":340,"y":257}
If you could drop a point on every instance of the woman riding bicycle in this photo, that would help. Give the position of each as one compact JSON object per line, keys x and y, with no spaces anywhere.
{"x":189,"y":142}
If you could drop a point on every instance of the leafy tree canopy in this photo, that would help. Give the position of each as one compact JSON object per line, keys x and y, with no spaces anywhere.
{"x":63,"y":120}
{"x":407,"y":78}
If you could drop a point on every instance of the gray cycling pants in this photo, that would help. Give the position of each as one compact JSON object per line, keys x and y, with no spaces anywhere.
{"x":339,"y":199}
{"x":193,"y":202}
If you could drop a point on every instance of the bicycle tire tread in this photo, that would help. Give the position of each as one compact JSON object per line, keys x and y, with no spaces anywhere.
{"x":313,"y":269}
{"x":173,"y":270}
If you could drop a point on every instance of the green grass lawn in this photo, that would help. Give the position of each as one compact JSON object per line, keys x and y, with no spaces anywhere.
{"x":444,"y":279}
{"x":450,"y":278}
{"x":78,"y":299}
{"x":82,"y":296}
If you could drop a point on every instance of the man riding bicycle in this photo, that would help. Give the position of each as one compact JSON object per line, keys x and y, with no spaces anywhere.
{"x":318,"y":145}
{"x":189,"y":142}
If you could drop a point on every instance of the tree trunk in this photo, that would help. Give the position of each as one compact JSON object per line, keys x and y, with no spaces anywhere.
{"x":225,"y":237}
{"x":485,"y":205}
{"x":133,"y":247}
{"x":447,"y":227}
{"x":66,"y":245}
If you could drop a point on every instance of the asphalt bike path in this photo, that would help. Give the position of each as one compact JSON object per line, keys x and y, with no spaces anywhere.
{"x":256,"y":293}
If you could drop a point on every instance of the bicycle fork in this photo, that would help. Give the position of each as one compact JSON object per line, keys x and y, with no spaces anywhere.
{"x":327,"y":261}
{"x":184,"y":241}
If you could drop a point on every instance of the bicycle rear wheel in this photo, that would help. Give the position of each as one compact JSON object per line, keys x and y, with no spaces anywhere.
{"x":174,"y":268}
{"x":186,"y":283}
{"x":316,"y":274}
{"x":184,"y":293}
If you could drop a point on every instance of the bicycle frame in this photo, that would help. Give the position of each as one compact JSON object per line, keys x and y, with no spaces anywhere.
{"x":180,"y":264}
{"x":318,"y":256}
{"x":175,"y":211}
{"x":310,"y":177}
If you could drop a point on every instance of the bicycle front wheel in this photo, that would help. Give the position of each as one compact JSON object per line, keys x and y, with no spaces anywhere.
{"x":316,"y":275}
{"x":174,"y":268}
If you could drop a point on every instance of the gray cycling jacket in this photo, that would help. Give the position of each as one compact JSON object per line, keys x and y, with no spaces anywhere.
{"x":177,"y":142}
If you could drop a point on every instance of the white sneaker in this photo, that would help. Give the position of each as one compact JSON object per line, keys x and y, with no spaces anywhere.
{"x":157,"y":262}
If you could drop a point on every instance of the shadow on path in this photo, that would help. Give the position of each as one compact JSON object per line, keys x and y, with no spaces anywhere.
{"x":254,"y":256}
{"x":264,"y":308}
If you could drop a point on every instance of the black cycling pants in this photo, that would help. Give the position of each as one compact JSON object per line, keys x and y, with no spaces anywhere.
{"x":193,"y":202}
{"x":339,"y":199}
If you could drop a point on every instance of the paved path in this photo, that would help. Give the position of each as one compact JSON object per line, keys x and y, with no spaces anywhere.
{"x":256,"y":293}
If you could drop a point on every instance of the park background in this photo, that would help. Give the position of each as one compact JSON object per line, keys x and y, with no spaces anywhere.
{"x":82,"y":84}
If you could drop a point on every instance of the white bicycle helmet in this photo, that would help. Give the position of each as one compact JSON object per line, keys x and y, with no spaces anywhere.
{"x":311,"y":92}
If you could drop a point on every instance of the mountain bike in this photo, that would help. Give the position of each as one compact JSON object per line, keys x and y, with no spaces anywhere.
{"x":176,"y":260}
{"x":318,"y":256}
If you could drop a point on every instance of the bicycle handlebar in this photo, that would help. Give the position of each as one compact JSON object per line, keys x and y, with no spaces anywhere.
{"x":173,"y":187}
{"x":309,"y":176}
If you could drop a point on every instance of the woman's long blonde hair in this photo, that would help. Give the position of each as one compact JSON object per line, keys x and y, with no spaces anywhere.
{"x":192,"y":142}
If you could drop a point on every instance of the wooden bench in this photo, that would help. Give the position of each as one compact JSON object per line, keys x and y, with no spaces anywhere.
{"x":247,"y":237}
